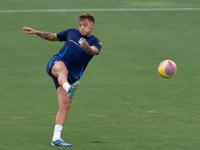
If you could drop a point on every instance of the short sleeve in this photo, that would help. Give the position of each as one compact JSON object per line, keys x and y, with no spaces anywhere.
{"x":62,"y":36}
{"x":97,"y":44}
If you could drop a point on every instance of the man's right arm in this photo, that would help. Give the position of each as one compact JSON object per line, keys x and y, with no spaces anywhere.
{"x":44,"y":35}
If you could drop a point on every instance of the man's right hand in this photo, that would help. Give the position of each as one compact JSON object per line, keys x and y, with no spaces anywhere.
{"x":44,"y":35}
{"x":29,"y":30}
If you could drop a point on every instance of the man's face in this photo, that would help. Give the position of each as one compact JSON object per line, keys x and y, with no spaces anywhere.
{"x":85,"y":27}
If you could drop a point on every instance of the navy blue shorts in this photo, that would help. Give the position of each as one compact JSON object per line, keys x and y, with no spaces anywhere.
{"x":50,"y":64}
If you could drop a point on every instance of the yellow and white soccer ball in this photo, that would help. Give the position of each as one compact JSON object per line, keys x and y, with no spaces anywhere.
{"x":167,"y":68}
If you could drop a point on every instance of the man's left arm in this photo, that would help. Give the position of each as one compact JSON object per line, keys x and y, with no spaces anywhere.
{"x":91,"y":50}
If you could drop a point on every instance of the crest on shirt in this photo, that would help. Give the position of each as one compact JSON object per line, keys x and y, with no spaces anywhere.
{"x":80,"y":41}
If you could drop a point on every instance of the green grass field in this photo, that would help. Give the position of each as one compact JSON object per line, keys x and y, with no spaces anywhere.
{"x":122,"y":103}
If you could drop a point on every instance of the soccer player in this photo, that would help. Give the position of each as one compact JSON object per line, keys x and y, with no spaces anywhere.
{"x":68,"y":65}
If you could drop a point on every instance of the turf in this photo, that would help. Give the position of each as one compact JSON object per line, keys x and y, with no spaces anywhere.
{"x":122,"y":103}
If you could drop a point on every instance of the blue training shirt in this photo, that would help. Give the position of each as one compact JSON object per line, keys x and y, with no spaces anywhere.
{"x":74,"y":56}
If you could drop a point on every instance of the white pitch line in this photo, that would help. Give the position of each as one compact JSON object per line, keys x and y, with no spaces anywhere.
{"x":101,"y":10}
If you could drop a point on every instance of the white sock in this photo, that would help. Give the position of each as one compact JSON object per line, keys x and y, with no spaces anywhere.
{"x":57,"y":132}
{"x":66,"y":86}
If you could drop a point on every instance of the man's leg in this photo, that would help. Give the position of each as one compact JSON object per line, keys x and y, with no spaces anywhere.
{"x":60,"y":71}
{"x":64,"y":105}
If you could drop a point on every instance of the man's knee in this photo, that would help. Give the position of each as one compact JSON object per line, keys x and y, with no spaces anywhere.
{"x":64,"y":107}
{"x":59,"y":68}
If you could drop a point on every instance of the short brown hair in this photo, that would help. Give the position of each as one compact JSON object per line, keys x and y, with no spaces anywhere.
{"x":86,"y":16}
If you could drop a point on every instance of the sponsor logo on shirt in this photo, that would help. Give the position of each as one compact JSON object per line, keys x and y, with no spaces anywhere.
{"x":74,"y":42}
{"x":79,"y":42}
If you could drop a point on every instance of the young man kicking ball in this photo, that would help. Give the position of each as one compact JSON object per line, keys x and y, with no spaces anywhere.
{"x":68,"y":65}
